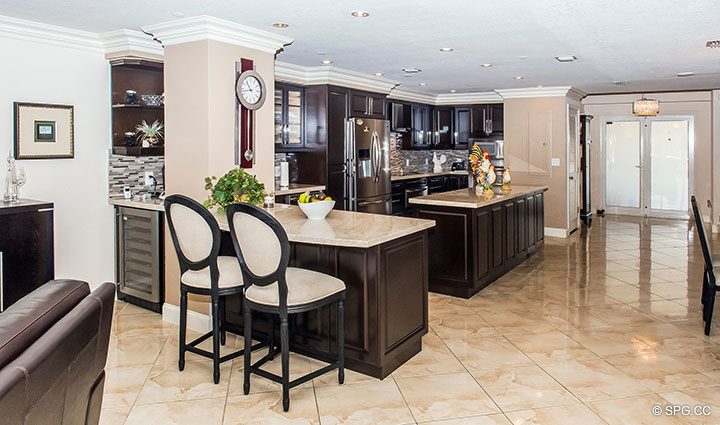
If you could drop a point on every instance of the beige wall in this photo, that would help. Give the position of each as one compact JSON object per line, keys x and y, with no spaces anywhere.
{"x":536,"y":132}
{"x":200,"y":127}
{"x":695,"y":104}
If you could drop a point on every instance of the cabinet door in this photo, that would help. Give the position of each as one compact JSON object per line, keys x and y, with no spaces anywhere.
{"x":478,"y":115}
{"x":462,"y":128}
{"x":27,"y":258}
{"x":358,"y":104}
{"x":377,"y":106}
{"x":498,"y":235}
{"x":294,"y":117}
{"x":444,"y":128}
{"x":418,"y":133}
{"x":540,"y":216}
{"x":279,"y":116}
{"x":521,"y":227}
{"x":496,"y":119}
{"x":539,"y":142}
{"x":484,"y":244}
{"x":510,"y":230}
{"x":531,"y":222}
{"x":428,"y":125}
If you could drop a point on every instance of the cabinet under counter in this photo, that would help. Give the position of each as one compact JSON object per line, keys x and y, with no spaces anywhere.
{"x":477,"y":239}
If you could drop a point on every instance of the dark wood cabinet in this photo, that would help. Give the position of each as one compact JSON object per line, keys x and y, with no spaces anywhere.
{"x":370,"y":105}
{"x":444,"y":127}
{"x":487,"y":120}
{"x":462,"y":127}
{"x":289,"y":117}
{"x":422,"y":126}
{"x":146,"y":78}
{"x":27,"y":257}
{"x":386,"y":311}
{"x":470,"y":248}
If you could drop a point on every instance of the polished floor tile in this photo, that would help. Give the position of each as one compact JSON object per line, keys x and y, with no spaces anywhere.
{"x":596,"y":328}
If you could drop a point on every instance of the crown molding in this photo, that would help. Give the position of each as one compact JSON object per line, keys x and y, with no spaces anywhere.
{"x":50,"y":34}
{"x":411,"y":96}
{"x":309,"y":75}
{"x":204,"y":27}
{"x":534,"y":92}
{"x":127,"y":40}
{"x":468,"y":98}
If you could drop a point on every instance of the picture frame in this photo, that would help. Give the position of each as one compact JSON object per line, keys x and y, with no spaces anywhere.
{"x":43,"y":131}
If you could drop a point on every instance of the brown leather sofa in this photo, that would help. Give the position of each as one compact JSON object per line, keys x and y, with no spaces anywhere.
{"x":53,"y":348}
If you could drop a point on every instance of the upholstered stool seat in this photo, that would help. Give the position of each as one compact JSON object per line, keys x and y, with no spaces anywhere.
{"x":304,"y":287}
{"x":230,"y":275}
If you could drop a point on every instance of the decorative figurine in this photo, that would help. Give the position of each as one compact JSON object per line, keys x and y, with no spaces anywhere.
{"x":130,"y":97}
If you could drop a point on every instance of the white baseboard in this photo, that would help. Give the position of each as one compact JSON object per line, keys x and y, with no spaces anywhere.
{"x":195,"y":321}
{"x":554,"y":232}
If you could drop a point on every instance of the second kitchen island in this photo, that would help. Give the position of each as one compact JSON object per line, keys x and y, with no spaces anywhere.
{"x":382,"y":260}
{"x":477,"y":239}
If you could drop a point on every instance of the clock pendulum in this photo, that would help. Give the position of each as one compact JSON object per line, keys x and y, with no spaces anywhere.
{"x":250,"y":92}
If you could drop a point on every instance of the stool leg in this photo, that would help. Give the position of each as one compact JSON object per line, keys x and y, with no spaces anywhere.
{"x":183,"y":329}
{"x":341,"y":340}
{"x":247,"y":318}
{"x":216,"y":338}
{"x":271,"y":334}
{"x":710,"y":305}
{"x":285,"y":359}
{"x":223,"y":336}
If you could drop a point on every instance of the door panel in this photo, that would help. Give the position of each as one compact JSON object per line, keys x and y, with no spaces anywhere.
{"x":622,"y":164}
{"x":669,"y":165}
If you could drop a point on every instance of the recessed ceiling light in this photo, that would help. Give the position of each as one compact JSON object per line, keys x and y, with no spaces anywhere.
{"x":408,"y":75}
{"x":280,"y":25}
{"x":567,"y":58}
{"x":453,"y":91}
{"x":523,"y":57}
{"x":685,"y":74}
{"x":321,"y":53}
{"x":519,"y":77}
{"x":360,"y":14}
{"x":411,"y":70}
{"x":539,"y":87}
{"x":446,"y":49}
{"x":178,"y":14}
{"x":486,"y":65}
{"x":423,"y":84}
{"x":620,"y":83}
{"x":713,"y":44}
{"x":378,"y":74}
{"x":327,"y":62}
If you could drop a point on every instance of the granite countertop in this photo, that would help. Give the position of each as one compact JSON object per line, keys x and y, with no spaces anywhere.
{"x":152,"y":204}
{"x":296,"y":188}
{"x":466,"y":198}
{"x":342,"y":228}
{"x":23,"y":205}
{"x":398,"y":177}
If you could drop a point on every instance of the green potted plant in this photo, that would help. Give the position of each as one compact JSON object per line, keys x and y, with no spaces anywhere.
{"x":150,"y":133}
{"x":236,"y":185}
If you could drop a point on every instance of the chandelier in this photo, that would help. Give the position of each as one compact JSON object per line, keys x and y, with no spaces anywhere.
{"x":646,"y":107}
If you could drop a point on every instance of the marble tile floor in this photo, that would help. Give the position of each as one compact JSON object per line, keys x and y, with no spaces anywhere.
{"x":595,"y":329}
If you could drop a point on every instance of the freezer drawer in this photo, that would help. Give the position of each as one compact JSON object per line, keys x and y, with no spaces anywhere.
{"x":375,"y":205}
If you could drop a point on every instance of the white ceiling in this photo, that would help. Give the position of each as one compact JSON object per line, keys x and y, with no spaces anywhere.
{"x":644,"y":42}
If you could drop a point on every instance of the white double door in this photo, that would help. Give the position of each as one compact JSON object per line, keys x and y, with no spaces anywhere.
{"x":647,"y":165}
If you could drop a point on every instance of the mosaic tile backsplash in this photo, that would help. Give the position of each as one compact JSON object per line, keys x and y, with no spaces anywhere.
{"x":411,"y":162}
{"x":130,"y":170}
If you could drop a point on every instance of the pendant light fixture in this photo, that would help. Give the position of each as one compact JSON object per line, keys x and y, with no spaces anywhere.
{"x":646,"y":107}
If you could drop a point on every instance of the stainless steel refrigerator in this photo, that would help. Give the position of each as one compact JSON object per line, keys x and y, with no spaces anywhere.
{"x":367,"y":166}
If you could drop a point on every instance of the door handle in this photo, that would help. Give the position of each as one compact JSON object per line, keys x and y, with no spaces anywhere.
{"x":572,"y":178}
{"x":484,"y":122}
{"x":364,"y":203}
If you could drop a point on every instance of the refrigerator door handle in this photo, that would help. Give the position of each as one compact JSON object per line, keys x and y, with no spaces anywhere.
{"x":364,"y":203}
{"x":376,"y":156}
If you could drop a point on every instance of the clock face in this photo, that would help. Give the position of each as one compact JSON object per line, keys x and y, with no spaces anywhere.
{"x":250,"y":90}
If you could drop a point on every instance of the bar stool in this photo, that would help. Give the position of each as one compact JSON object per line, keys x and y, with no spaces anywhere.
{"x":196,"y":236}
{"x":710,"y":287}
{"x":272,"y":287}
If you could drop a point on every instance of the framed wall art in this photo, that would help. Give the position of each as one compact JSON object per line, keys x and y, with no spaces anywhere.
{"x":44,"y":131}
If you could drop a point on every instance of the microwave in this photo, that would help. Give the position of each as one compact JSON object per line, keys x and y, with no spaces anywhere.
{"x":494,"y":148}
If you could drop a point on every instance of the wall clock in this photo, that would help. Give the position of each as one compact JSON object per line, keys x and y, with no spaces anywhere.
{"x":250,"y":93}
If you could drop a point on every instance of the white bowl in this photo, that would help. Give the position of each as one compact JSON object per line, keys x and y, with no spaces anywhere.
{"x":317,"y":210}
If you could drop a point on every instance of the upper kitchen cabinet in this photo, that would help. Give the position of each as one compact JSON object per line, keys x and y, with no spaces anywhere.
{"x":486,"y":121}
{"x":462,"y":127}
{"x":422,"y":126}
{"x":444,"y":123}
{"x":137,"y":89}
{"x":289,"y":117}
{"x":369,"y":105}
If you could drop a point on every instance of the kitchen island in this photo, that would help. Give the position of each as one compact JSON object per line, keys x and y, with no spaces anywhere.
{"x":383,"y":262}
{"x":477,"y":239}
